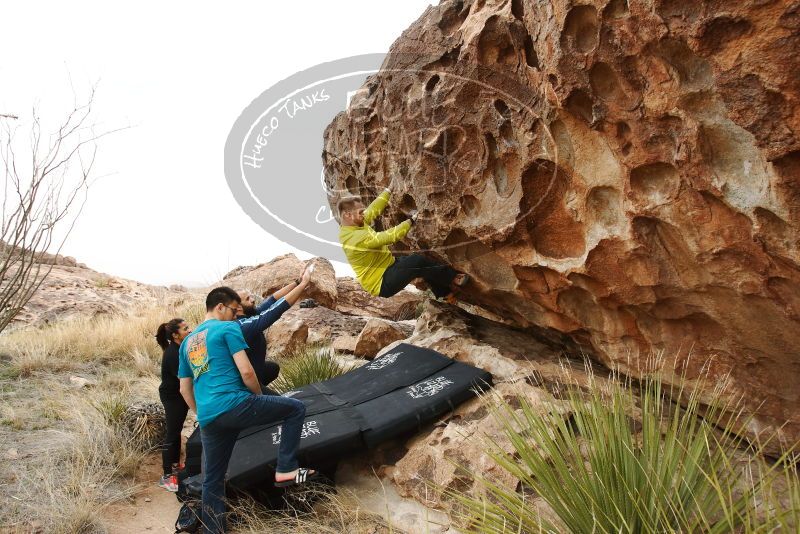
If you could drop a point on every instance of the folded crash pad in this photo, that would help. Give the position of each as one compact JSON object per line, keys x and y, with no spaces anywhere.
{"x":407,"y":409}
{"x":397,"y":393}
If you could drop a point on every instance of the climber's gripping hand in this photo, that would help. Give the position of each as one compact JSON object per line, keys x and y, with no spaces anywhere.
{"x":394,"y":183}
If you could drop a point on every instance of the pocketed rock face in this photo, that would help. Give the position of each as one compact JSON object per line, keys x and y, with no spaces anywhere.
{"x":627,"y":173}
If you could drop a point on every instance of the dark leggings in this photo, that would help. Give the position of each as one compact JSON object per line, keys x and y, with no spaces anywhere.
{"x":266,"y":373}
{"x":175,"y":410}
{"x":406,"y":268}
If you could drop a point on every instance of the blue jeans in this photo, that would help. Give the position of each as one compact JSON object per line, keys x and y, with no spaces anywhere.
{"x":219,"y":437}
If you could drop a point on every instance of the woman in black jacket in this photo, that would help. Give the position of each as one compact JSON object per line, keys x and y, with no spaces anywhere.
{"x":169,"y":337}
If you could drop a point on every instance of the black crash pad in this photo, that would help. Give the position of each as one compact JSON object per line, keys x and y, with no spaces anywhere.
{"x":397,"y":393}
{"x":409,"y":408}
{"x":327,"y":435}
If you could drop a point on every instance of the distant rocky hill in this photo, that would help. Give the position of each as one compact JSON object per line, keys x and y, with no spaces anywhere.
{"x":73,"y":289}
{"x":339,"y":312}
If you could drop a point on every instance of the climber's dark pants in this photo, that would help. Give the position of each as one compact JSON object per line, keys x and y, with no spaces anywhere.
{"x":406,"y":268}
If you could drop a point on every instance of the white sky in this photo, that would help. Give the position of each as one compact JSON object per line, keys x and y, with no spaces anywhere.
{"x":179,"y":73}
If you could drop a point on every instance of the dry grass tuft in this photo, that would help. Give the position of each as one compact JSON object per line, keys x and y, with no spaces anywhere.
{"x":9,"y":417}
{"x":93,"y":439}
{"x":88,"y":460}
{"x":69,"y":490}
{"x":331,"y":513}
{"x":125,"y":339}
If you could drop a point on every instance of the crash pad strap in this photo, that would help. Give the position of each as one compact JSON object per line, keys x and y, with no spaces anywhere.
{"x":356,"y":417}
{"x":344,"y":406}
{"x":329,"y":395}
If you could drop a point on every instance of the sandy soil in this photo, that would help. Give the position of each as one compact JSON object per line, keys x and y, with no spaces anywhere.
{"x":153,"y":508}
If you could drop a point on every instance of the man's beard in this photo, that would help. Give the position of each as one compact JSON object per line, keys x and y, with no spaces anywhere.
{"x":249,"y":311}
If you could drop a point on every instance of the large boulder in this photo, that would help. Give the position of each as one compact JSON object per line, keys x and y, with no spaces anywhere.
{"x":287,"y":335}
{"x":627,"y":173}
{"x":536,"y":364}
{"x":266,"y":278}
{"x":345,"y":344}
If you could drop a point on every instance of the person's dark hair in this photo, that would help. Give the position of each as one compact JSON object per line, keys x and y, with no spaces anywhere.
{"x":165,"y":331}
{"x":221,"y":295}
{"x":346,"y":203}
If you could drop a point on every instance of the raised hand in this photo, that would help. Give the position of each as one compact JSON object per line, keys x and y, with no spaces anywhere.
{"x":307,"y":273}
{"x":394,"y":182}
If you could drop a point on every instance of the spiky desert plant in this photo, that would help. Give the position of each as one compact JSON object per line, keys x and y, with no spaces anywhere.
{"x":308,"y":364}
{"x":669,"y":468}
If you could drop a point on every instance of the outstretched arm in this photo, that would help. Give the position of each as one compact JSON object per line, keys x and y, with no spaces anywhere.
{"x":376,"y":207}
{"x":387,"y":237}
{"x":264,"y":318}
{"x":295,"y":294}
{"x":282,"y":292}
{"x":267,"y":316}
{"x":268,"y":302}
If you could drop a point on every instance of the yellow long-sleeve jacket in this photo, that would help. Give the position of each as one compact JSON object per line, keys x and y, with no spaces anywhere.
{"x":367,"y":250}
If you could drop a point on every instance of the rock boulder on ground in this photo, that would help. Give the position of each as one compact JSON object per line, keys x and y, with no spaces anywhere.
{"x":376,"y":335}
{"x":327,"y":326}
{"x":266,"y":278}
{"x":345,"y":344}
{"x":536,"y":364}
{"x":287,"y":335}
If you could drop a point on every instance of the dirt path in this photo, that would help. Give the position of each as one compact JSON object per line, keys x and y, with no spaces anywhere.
{"x":154,"y":509}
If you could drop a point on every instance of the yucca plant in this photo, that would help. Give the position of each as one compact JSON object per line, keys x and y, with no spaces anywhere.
{"x":307,"y":365}
{"x":601,"y":472}
{"x":784,"y":499}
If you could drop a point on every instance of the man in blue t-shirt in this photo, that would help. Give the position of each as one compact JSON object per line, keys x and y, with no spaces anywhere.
{"x":219,"y":384}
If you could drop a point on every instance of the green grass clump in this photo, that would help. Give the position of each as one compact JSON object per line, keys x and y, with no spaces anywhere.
{"x":307,"y":365}
{"x":626,"y":460}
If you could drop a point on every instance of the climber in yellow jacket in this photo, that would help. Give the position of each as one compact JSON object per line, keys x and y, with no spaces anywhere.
{"x":377,"y":270}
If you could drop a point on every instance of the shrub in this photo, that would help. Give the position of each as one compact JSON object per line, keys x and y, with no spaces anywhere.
{"x":307,"y":365}
{"x":599,"y":471}
{"x":69,"y":489}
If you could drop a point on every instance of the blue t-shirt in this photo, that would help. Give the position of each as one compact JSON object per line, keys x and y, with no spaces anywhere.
{"x":206,"y":356}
